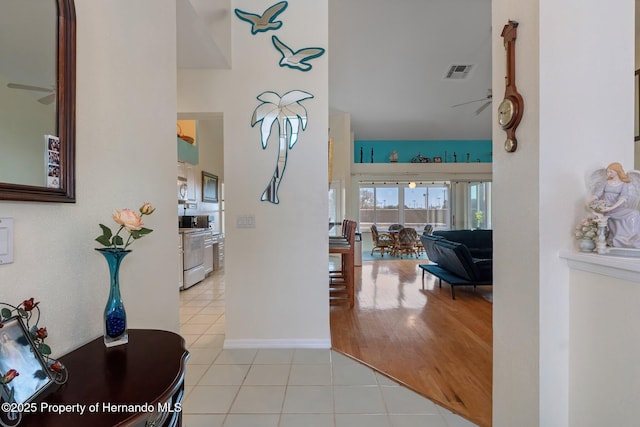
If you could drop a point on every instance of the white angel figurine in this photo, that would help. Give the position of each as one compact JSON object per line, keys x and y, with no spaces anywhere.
{"x":615,"y":195}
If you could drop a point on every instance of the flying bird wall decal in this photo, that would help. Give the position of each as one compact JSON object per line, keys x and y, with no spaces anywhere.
{"x":296,"y":59}
{"x":264,"y":22}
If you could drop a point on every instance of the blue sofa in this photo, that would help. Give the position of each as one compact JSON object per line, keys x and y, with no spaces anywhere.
{"x":455,"y":263}
{"x":479,"y":242}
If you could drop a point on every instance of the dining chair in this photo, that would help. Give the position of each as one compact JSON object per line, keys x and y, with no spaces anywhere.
{"x":342,"y":281}
{"x":394,"y":229}
{"x":428,"y":230}
{"x":406,"y":242}
{"x":381,"y":241}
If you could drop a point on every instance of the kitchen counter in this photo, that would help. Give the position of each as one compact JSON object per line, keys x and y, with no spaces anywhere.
{"x":191,"y":230}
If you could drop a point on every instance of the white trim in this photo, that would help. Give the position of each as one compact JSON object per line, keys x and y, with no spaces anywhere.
{"x":276,"y":343}
{"x":421,"y":171}
{"x":614,"y":266}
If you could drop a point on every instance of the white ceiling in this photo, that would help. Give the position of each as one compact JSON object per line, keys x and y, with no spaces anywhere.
{"x":387,"y":62}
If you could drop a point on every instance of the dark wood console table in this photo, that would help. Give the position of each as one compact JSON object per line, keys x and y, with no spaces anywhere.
{"x":147,"y":372}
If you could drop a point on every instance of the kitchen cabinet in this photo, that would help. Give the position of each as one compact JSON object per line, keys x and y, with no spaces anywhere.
{"x":187,"y":176}
{"x":209,"y":243}
{"x":213,"y":252}
{"x":180,"y":263}
{"x":220,"y":255}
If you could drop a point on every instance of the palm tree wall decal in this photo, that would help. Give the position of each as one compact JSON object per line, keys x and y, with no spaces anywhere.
{"x":290,"y":116}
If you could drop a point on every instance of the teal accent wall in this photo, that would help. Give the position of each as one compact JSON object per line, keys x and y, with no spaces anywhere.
{"x":480,"y":149}
{"x":187,"y":152}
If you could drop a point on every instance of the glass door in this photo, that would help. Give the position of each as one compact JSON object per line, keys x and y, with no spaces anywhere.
{"x":473,"y":205}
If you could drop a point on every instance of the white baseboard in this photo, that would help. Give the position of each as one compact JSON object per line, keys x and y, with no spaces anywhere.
{"x":284,"y":343}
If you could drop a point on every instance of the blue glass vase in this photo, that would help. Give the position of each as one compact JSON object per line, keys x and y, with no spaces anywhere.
{"x":115,"y":316}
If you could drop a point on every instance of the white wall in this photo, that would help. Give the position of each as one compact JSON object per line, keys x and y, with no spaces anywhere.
{"x":516,"y":278}
{"x":275,"y":273}
{"x":340,"y":131}
{"x":605,"y":342}
{"x":567,"y":131}
{"x":126,"y":155}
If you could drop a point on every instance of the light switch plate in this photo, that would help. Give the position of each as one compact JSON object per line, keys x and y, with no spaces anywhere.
{"x":6,"y":240}
{"x":246,"y":221}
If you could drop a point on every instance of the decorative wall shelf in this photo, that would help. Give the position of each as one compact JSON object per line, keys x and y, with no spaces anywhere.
{"x":420,"y":170}
{"x":612,"y":266}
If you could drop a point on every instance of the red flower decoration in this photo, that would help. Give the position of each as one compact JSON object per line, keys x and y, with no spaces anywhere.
{"x":29,"y":304}
{"x":42,"y":333}
{"x":9,"y":376}
{"x":56,"y":366}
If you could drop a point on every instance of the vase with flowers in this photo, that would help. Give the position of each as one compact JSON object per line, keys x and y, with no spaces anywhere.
{"x":114,"y":251}
{"x":586,"y":232}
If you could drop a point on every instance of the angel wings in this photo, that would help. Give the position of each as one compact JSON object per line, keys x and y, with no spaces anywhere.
{"x":612,"y":174}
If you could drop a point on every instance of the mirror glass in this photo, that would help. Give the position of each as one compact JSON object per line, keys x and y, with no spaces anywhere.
{"x":37,"y":79}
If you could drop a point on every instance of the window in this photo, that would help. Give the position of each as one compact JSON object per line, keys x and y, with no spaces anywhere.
{"x":378,"y":205}
{"x":444,"y":204}
{"x":384,"y":204}
{"x":427,"y":204}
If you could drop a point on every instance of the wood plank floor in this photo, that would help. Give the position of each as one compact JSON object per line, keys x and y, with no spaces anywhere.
{"x":439,"y":347}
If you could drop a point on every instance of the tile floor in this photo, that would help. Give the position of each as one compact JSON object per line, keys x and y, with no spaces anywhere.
{"x":285,"y":387}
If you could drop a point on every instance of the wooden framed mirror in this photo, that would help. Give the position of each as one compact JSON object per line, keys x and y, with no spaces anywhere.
{"x":636,"y":114}
{"x":53,"y":87}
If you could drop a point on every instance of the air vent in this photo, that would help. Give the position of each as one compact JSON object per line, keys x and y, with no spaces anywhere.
{"x":458,"y":72}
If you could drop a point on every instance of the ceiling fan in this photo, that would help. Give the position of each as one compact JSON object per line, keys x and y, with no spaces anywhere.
{"x":46,"y":100}
{"x":487,"y":101}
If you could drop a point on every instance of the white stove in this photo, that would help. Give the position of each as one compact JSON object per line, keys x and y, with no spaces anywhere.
{"x":193,"y":255}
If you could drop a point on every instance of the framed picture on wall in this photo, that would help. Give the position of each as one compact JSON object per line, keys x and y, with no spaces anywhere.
{"x":636,"y":115}
{"x":209,"y":187}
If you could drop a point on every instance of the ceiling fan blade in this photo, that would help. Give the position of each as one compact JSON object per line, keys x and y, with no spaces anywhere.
{"x":28,"y":87}
{"x":483,"y":107}
{"x":469,"y":102}
{"x":47,"y":99}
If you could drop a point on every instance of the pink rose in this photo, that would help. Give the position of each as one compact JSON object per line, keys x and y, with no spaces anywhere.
{"x":128,"y":219}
